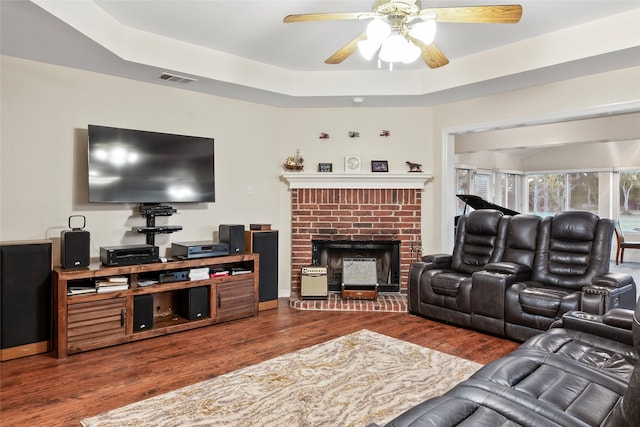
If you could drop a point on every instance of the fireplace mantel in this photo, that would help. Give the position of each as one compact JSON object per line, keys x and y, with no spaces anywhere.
{"x":380,"y":180}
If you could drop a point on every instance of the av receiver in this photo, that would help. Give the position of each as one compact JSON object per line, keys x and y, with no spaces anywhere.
{"x":204,"y":249}
{"x":112,"y":256}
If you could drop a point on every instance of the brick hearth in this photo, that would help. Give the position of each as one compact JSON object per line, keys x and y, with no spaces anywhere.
{"x":354,"y":214}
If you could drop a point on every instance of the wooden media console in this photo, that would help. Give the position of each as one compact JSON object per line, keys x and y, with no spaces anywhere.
{"x":87,"y":321}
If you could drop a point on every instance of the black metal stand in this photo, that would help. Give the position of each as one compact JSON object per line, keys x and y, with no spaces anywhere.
{"x":151,"y":211}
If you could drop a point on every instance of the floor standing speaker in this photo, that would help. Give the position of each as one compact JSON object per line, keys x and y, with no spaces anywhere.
{"x":233,"y":234}
{"x":265,"y":244}
{"x":142,"y":312}
{"x":25,"y":298}
{"x":193,"y":303}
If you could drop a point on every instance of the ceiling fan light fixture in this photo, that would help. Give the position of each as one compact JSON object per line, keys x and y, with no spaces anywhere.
{"x":411,"y":53}
{"x":398,"y":49}
{"x":424,"y":31}
{"x":368,"y":48}
{"x":378,"y":30}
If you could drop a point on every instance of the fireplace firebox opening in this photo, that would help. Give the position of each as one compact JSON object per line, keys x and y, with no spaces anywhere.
{"x":330,"y":253}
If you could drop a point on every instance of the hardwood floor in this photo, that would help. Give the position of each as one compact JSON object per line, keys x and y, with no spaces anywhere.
{"x":44,"y":391}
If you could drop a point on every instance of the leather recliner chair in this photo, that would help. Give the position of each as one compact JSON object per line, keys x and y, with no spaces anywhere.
{"x":489,"y":285}
{"x":573,"y":249}
{"x":443,"y":291}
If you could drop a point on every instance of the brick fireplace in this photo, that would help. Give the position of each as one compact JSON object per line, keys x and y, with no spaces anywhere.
{"x":342,"y":208}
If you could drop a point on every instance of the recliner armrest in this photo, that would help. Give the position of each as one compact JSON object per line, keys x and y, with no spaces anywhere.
{"x":507,"y":268}
{"x":619,"y":317}
{"x":611,"y":325}
{"x":438,"y":260}
{"x":613,"y":280}
{"x":611,"y":290}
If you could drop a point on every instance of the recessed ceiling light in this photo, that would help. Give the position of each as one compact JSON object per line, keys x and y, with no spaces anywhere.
{"x":358,"y":100}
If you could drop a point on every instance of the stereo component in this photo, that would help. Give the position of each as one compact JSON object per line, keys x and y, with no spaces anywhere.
{"x":233,"y":234}
{"x":204,"y":249}
{"x":174,"y":276}
{"x":25,"y":298}
{"x":142,"y":312}
{"x":193,"y":303}
{"x":75,"y":245}
{"x":128,"y":255}
{"x":265,"y":244}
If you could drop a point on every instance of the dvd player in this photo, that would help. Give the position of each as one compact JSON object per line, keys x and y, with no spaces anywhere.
{"x":204,"y":249}
{"x":128,"y":255}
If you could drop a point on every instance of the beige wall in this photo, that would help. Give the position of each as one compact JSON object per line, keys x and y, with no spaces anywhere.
{"x":45,"y":112}
{"x":46,"y":109}
{"x":550,"y":102}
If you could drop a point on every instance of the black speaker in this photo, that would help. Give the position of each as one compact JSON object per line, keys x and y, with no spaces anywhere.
{"x":233,"y":234}
{"x":193,"y":303}
{"x":75,"y":246}
{"x":142,"y":312}
{"x":265,"y":244}
{"x":25,"y":299}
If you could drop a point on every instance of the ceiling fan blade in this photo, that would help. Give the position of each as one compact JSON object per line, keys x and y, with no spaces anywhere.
{"x":502,"y":14}
{"x":431,"y":55}
{"x":338,"y":16}
{"x":346,"y":51}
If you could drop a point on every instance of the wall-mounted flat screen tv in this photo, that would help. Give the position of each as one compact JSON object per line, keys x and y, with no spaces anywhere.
{"x":135,"y":166}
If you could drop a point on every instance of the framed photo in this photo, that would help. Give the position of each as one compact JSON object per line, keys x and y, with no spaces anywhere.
{"x":379,"y":166}
{"x":325,"y":167}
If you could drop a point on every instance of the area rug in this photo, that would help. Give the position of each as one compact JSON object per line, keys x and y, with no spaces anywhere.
{"x":353,"y":380}
{"x":387,"y":302}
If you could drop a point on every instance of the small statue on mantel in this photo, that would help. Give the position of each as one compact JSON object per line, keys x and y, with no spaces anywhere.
{"x":414,"y":167}
{"x":294,"y":163}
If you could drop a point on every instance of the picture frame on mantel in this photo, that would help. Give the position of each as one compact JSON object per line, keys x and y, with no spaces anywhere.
{"x":325,"y":167}
{"x":379,"y":166}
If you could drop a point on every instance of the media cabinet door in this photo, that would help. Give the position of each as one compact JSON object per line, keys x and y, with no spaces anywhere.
{"x":235,"y":300}
{"x":95,"y":324}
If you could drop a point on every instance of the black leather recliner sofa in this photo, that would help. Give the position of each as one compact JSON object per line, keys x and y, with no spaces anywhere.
{"x":584,"y":371}
{"x":514,"y":276}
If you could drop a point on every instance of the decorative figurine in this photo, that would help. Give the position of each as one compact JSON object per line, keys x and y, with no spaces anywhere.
{"x":353,"y":134}
{"x":324,"y":135}
{"x":414,"y":167}
{"x":385,"y":133}
{"x":294,"y":163}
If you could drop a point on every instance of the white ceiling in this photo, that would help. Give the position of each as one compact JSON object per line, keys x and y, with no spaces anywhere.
{"x":242,"y":49}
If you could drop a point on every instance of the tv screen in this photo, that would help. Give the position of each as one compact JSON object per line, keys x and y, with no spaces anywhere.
{"x":134,"y":166}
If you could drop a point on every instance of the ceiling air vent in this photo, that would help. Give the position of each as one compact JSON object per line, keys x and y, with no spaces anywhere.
{"x":175,"y":78}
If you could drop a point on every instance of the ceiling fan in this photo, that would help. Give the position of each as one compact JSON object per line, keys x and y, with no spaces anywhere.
{"x":401,"y":31}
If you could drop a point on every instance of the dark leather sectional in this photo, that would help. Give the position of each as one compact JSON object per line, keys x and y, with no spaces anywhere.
{"x":544,"y":281}
{"x":583,"y":372}
{"x":514,"y":276}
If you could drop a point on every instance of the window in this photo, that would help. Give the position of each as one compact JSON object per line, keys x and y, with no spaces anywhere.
{"x":464,"y":179}
{"x":546,"y":193}
{"x":509,"y":191}
{"x":483,"y":185}
{"x":556,"y":192}
{"x":629,"y":213}
{"x":583,"y":191}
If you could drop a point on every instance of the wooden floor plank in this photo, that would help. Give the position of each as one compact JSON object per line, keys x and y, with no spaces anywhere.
{"x":42,"y":390}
